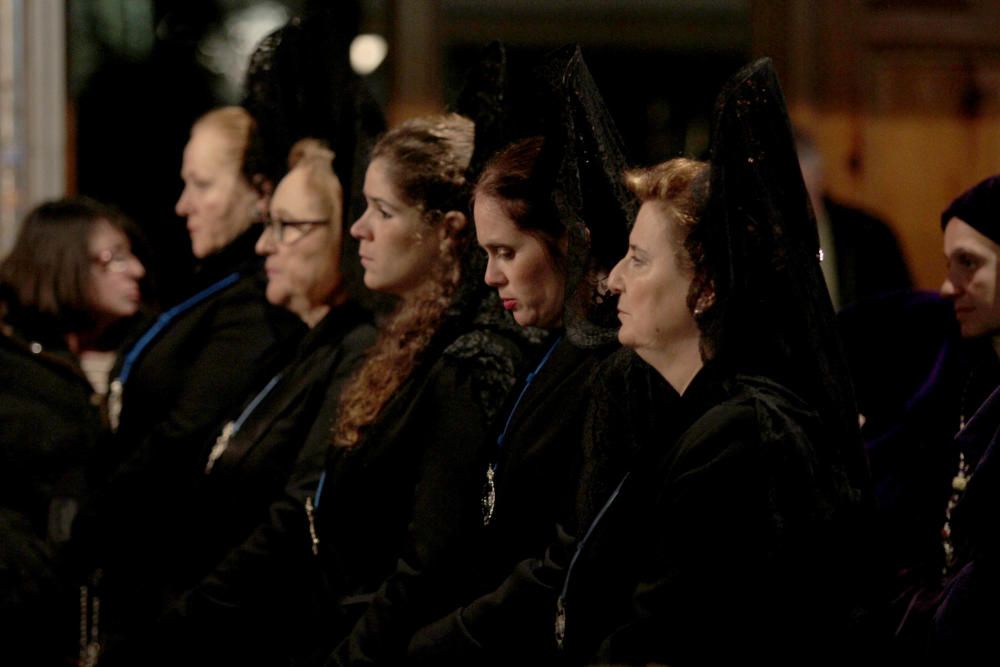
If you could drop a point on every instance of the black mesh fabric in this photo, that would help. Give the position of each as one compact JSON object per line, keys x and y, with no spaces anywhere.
{"x":772,"y":315}
{"x":300,"y":84}
{"x":581,"y":165}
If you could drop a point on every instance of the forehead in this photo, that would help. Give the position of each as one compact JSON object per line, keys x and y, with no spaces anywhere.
{"x":103,"y":234}
{"x":959,"y":235}
{"x":206,"y":149}
{"x":378,"y":181}
{"x":654,"y":226}
{"x":294,"y":192}
{"x":492,"y":221}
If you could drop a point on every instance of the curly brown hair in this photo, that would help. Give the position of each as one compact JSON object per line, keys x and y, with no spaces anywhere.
{"x":427,"y":160}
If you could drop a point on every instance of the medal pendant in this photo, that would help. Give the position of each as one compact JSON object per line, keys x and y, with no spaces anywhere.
{"x":489,"y":496}
{"x":220,"y":446}
{"x":313,"y":535}
{"x":115,"y":404}
{"x":560,"y":622}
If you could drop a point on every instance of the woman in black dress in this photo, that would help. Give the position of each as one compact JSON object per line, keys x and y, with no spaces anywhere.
{"x":732,"y":535}
{"x":552,"y":216}
{"x":186,"y":372}
{"x":70,"y":278}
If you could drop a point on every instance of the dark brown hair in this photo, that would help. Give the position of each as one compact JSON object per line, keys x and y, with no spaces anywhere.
{"x":426,"y":159}
{"x":47,"y":273}
{"x":510,"y":178}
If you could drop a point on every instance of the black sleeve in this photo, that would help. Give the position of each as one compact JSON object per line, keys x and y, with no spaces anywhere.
{"x":514,"y":624}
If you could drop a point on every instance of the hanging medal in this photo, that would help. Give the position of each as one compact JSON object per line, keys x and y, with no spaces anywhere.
{"x":489,"y":499}
{"x":231,"y":427}
{"x":220,"y":445}
{"x":115,"y":404}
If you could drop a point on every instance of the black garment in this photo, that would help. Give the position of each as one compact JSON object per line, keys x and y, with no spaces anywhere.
{"x":190,"y":377}
{"x":206,"y":360}
{"x":217,"y":509}
{"x":50,"y":426}
{"x":534,"y":484}
{"x":272,"y":601}
{"x":869,"y":262}
{"x":966,"y":619}
{"x":524,"y":552}
{"x":726,"y":542}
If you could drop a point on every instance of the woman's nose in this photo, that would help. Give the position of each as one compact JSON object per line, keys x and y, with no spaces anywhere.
{"x":181,"y":208}
{"x":948,"y":288}
{"x":615,"y":279}
{"x":360,"y":228}
{"x":493,"y":276}
{"x":136,"y":269}
{"x":265,"y":242}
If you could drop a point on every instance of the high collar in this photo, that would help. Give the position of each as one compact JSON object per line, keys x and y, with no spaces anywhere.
{"x":238,"y":256}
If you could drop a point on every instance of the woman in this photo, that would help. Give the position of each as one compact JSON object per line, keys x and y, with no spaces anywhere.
{"x":227,"y":495}
{"x":950,"y":585}
{"x":549,"y":244}
{"x":731,"y":535}
{"x":187,"y":371}
{"x":409,"y":428}
{"x":69,"y":278}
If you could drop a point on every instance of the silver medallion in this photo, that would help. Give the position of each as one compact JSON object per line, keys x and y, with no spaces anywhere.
{"x":489,"y":500}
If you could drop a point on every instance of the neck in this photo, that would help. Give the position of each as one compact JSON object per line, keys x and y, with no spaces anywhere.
{"x":995,"y":342}
{"x":311,"y":314}
{"x":678,"y":365}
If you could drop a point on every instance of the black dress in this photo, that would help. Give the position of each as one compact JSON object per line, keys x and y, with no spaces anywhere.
{"x":50,"y":426}
{"x":177,"y":388}
{"x":298,"y":585}
{"x":726,"y":540}
{"x":536,"y":473}
{"x":234,"y":481}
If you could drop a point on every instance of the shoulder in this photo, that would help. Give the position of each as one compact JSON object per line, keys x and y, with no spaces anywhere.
{"x":856,"y":221}
{"x":482,"y":350}
{"x":757,"y":417}
{"x":484,"y":362}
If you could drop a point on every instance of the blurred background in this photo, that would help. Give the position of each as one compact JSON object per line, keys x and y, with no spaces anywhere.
{"x":902,"y":97}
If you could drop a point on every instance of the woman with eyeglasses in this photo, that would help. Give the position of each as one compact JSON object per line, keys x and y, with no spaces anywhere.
{"x":187,"y":371}
{"x":70,"y":280}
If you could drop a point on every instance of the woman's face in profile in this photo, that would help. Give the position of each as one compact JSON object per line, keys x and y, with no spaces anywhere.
{"x":303,"y":266}
{"x":652,"y":286}
{"x":972,"y":280}
{"x":520,"y":267}
{"x":114,"y":274}
{"x":398,"y":250}
{"x":217,"y":201}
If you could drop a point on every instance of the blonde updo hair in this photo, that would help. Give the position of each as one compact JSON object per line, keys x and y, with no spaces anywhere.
{"x":235,"y":125}
{"x":316,"y":158}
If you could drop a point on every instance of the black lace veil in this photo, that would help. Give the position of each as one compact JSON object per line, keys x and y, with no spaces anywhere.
{"x":300,"y":84}
{"x":772,"y":314}
{"x":581,"y":165}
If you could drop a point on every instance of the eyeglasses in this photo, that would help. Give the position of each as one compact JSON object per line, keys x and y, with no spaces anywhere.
{"x":292,"y":231}
{"x":114,"y":261}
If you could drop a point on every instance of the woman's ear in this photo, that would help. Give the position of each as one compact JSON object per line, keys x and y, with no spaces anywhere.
{"x":261,"y":190}
{"x":706,"y":299}
{"x":453,"y":223}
